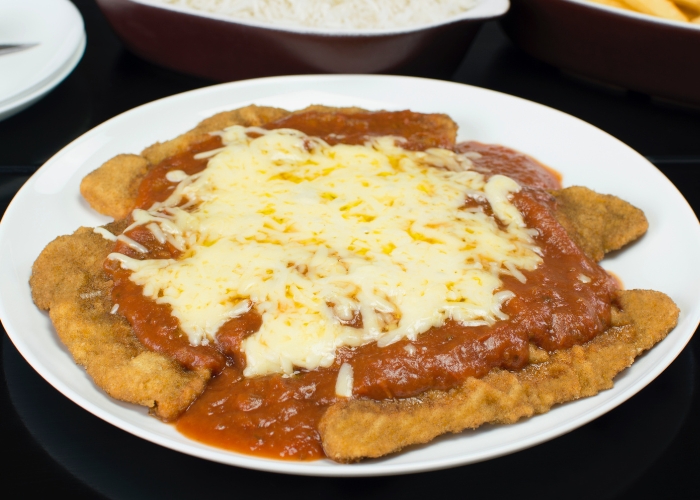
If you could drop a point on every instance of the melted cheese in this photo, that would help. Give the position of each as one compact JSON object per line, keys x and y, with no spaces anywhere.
{"x":105,"y":234}
{"x":345,"y":380}
{"x":313,"y":235}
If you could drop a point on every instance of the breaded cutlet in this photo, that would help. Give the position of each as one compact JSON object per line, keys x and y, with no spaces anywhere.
{"x":68,"y":281}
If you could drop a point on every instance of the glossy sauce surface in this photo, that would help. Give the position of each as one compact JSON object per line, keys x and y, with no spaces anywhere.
{"x":418,"y":129}
{"x":277,"y":416}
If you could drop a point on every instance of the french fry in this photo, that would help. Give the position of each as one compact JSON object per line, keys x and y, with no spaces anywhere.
{"x":689,"y":13}
{"x":612,"y":3}
{"x":678,"y":10}
{"x":659,"y":8}
{"x":693,"y":5}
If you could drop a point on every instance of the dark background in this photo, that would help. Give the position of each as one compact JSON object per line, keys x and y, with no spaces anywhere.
{"x":646,"y":448}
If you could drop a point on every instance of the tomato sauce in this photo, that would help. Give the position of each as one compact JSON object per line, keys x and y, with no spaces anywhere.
{"x":418,"y":129}
{"x":277,"y":416}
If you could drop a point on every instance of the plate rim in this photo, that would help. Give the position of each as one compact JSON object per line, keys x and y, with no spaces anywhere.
{"x":308,"y":468}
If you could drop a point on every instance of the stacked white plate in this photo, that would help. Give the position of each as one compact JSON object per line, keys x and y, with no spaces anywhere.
{"x":56,"y":27}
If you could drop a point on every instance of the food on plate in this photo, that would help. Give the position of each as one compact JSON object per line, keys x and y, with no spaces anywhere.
{"x":344,"y":283}
{"x":360,"y":428}
{"x":612,"y":3}
{"x":340,"y":14}
{"x":676,"y":10}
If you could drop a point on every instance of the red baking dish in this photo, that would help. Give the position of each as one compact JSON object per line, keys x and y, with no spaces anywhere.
{"x":223,"y":49}
{"x":614,"y":46}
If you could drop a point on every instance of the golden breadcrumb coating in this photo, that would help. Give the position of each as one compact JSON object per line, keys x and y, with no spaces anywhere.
{"x":356,"y":429}
{"x":112,"y":189}
{"x":598,"y":223}
{"x":68,"y":281}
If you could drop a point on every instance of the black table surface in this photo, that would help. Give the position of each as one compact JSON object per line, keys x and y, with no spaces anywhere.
{"x":645,"y":448}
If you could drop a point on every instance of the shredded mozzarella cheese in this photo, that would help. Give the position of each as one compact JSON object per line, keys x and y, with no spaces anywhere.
{"x":345,"y":381}
{"x":311,"y":235}
{"x":105,"y":234}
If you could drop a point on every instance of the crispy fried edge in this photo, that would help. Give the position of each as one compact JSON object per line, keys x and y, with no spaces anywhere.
{"x":598,"y":223}
{"x":67,"y":280}
{"x":112,"y":189}
{"x":356,"y":429}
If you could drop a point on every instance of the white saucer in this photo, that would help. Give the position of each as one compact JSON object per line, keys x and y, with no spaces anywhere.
{"x":57,"y":27}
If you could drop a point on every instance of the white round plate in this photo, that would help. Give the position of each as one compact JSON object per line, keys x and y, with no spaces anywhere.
{"x":27,"y":75}
{"x":665,"y":259}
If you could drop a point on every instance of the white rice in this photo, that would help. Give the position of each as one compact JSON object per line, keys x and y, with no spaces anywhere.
{"x":335,"y":14}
